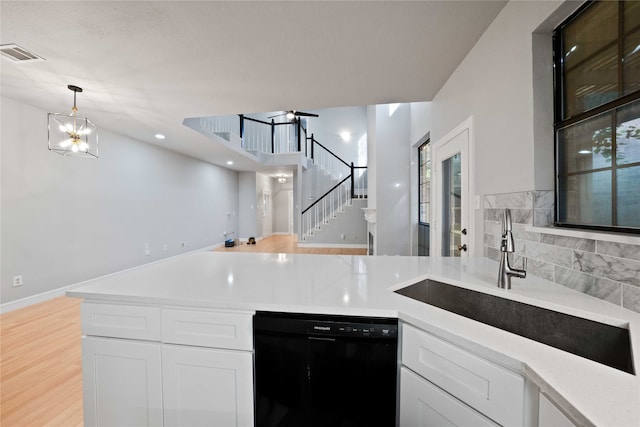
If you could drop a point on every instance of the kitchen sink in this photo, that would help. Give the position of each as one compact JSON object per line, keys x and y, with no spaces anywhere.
{"x":602,"y":343}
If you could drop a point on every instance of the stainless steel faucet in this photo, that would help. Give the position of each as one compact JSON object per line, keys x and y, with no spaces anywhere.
{"x":506,"y":247}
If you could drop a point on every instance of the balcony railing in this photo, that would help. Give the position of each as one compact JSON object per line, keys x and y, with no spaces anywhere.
{"x":289,"y":137}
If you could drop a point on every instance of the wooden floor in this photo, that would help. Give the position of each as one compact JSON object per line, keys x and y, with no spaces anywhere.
{"x":40,"y":362}
{"x":40,"y":354}
{"x":288,"y":244}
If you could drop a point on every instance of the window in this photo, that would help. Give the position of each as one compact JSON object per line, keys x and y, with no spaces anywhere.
{"x":424,"y":179}
{"x":424,"y":197}
{"x":597,"y":117}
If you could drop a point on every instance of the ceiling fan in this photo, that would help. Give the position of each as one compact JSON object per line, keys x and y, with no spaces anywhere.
{"x":292,"y":114}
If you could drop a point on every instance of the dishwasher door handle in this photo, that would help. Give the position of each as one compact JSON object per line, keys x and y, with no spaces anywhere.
{"x":321,"y":339}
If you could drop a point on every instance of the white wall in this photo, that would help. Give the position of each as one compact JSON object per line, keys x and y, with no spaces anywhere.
{"x":332,"y":122}
{"x":264,"y":213}
{"x":420,"y":118}
{"x":65,"y":220}
{"x":281,"y":209}
{"x":347,"y":228}
{"x":420,"y":121}
{"x":247,"y":206}
{"x":392,"y":186}
{"x":494,"y":84}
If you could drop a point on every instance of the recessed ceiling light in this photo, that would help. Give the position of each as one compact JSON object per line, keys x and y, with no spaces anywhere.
{"x":160,"y":136}
{"x":229,"y":162}
{"x":346,"y":136}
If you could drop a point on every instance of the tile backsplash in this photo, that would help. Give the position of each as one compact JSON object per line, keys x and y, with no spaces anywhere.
{"x":596,"y":266}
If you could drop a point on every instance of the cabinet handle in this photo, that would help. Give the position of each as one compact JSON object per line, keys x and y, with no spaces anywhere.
{"x":462,"y":247}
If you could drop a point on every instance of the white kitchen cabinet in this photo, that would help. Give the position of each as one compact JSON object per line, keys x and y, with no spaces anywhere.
{"x":492,"y":390}
{"x":206,"y":328}
{"x":120,"y":320}
{"x":122,"y":382}
{"x":204,"y":386}
{"x":154,"y":366}
{"x":422,"y":404}
{"x":550,"y":415}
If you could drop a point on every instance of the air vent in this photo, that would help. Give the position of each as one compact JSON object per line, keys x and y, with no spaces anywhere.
{"x":18,"y":54}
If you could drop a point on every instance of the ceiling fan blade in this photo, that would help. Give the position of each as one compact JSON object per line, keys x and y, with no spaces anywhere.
{"x":277,"y":115}
{"x":303,"y":114}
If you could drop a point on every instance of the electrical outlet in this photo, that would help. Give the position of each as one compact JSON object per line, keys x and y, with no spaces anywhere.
{"x":184,"y":244}
{"x":147,"y":251}
{"x":165,"y":247}
{"x":17,"y":281}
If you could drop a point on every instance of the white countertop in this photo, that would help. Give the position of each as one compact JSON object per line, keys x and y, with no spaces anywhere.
{"x":363,"y":285}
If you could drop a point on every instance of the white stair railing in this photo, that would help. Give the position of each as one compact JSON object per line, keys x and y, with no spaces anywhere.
{"x":221,"y":124}
{"x":326,"y":208}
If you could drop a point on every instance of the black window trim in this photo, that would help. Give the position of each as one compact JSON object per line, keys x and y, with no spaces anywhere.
{"x":560,"y":124}
{"x":426,"y":142}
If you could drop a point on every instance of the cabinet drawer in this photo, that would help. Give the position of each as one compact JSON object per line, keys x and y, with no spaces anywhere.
{"x":492,"y":390}
{"x":422,"y":404}
{"x":120,"y":321}
{"x":217,"y":329}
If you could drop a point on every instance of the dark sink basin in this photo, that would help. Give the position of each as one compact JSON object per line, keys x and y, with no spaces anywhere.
{"x":606,"y":344}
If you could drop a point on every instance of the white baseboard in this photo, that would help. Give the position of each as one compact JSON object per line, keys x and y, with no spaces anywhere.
{"x":35,"y":299}
{"x":58,"y":292}
{"x":333,"y":245}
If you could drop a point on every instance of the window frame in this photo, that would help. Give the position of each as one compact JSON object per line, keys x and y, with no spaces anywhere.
{"x":426,"y":143}
{"x":561,"y":123}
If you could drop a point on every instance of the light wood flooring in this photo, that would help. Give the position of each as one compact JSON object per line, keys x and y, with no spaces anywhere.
{"x":288,"y":244}
{"x":40,"y":361}
{"x":40,"y":352}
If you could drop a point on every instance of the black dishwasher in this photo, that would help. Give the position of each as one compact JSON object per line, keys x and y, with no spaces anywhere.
{"x":323,"y":370}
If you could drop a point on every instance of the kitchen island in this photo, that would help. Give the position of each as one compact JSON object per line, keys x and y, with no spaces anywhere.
{"x":586,"y":392}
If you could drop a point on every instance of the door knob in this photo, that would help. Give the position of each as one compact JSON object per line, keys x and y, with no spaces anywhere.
{"x":462,"y":247}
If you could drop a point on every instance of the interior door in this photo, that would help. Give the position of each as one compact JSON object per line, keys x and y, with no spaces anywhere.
{"x":451,"y":158}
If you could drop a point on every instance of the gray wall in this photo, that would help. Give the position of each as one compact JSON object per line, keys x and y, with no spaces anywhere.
{"x":65,"y":220}
{"x":264,"y":214}
{"x":332,"y":122}
{"x":247,"y":207}
{"x":392,"y":180}
{"x":281,"y":212}
{"x":347,"y":228}
{"x":420,"y":132}
{"x":494,"y":84}
{"x":505,"y":84}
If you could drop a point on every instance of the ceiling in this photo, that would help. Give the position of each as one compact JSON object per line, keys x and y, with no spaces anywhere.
{"x":146,"y":65}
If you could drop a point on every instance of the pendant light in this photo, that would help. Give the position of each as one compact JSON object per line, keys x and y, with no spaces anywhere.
{"x":72,"y":135}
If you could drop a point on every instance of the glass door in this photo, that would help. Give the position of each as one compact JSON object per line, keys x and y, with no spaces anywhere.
{"x":451,"y":160}
{"x":452,"y":206}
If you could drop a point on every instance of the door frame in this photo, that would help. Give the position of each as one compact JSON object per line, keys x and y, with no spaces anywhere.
{"x":290,"y":213}
{"x":439,"y":150}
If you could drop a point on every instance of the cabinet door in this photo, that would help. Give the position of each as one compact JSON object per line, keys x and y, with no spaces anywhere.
{"x":122,"y":382}
{"x":204,"y":386}
{"x":550,"y":415}
{"x":423,"y":404}
{"x":492,"y":390}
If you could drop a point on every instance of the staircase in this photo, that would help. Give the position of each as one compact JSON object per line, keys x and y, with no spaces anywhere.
{"x":271,"y":142}
{"x":345,"y":227}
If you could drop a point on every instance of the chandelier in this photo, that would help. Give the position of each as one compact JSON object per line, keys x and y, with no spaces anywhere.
{"x":72,"y":135}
